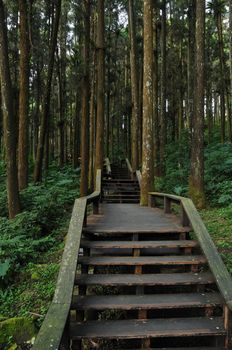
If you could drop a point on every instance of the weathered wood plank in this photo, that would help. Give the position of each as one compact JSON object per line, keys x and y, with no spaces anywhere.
{"x":146,"y":279}
{"x":51,"y":331}
{"x":139,"y":244}
{"x":69,"y":260}
{"x":132,"y":329}
{"x":146,"y":302}
{"x":143,"y":260}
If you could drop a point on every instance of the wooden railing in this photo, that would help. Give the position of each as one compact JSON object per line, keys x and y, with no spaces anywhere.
{"x":130,"y":170}
{"x":54,"y":330}
{"x":189,"y":216}
{"x":108,"y":166}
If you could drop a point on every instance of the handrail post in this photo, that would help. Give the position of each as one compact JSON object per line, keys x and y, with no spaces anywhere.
{"x":151,"y":201}
{"x":96,"y":207}
{"x":167,"y":205}
{"x":183,"y":217}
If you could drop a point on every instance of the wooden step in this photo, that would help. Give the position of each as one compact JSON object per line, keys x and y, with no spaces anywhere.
{"x":146,"y":302}
{"x":138,"y":244}
{"x":154,"y":328}
{"x":198,"y":348}
{"x":162,"y":279}
{"x":152,"y":232}
{"x":143,"y":260}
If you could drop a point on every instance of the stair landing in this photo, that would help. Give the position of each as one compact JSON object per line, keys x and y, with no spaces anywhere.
{"x":132,"y":218}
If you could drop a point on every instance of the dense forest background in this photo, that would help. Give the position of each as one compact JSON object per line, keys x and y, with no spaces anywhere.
{"x":84,"y":80}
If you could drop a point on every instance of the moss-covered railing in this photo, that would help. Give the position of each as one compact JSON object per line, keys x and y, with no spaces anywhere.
{"x":189,"y":216}
{"x":108,"y":166}
{"x":53,"y":333}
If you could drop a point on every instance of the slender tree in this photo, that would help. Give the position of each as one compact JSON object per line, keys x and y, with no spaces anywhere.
{"x":8,"y":120}
{"x":85,"y":102}
{"x":196,"y":179}
{"x":147,"y":144}
{"x":163,"y":122}
{"x":134,"y":88}
{"x":99,"y":155}
{"x":47,"y":97}
{"x":24,"y":70}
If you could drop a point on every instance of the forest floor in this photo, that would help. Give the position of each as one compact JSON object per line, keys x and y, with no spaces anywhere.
{"x":31,"y":247}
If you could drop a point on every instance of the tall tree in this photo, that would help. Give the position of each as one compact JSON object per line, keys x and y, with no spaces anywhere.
{"x":163,"y":122}
{"x":85,"y":102}
{"x":196,"y":179}
{"x":47,"y":96}
{"x":8,"y":119}
{"x":99,"y":155}
{"x":147,"y":144}
{"x":24,"y":70}
{"x":134,"y":88}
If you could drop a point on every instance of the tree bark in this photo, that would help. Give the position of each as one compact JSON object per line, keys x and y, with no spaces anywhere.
{"x":8,"y":120}
{"x":24,"y":70}
{"x":47,"y":96}
{"x":100,"y":87}
{"x":85,"y":103}
{"x":147,"y":145}
{"x":196,"y":179}
{"x":134,"y":89}
{"x":163,"y":122}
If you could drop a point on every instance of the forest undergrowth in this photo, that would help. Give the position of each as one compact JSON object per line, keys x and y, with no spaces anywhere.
{"x":31,"y":245}
{"x":218,"y":187}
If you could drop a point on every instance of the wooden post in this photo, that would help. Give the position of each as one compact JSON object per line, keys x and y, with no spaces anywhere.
{"x":227,"y":325}
{"x":96,"y":206}
{"x":167,"y":205}
{"x":184,"y":217}
{"x":151,"y":201}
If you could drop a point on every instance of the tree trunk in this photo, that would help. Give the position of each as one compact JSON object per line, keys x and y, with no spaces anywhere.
{"x":85,"y":103}
{"x":196,"y":180}
{"x":8,"y":120}
{"x":156,"y":96}
{"x":191,"y":61}
{"x":163,"y":122}
{"x":24,"y":71}
{"x":134,"y":89}
{"x":147,"y":145}
{"x":47,"y":96}
{"x":100,"y":87}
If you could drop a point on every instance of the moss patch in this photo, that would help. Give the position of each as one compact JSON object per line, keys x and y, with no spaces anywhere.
{"x":20,"y":329}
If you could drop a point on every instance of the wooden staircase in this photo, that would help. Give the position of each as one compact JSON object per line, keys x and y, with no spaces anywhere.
{"x":137,"y":291}
{"x":119,"y":187}
{"x":138,"y":278}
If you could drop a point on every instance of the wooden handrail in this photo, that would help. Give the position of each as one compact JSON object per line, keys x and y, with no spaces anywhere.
{"x":108,"y":166}
{"x":129,"y":167}
{"x":53,"y":333}
{"x":139,"y":177}
{"x":190,"y":216}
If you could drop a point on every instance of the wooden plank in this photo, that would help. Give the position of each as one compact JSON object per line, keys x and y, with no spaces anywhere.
{"x":139,"y":244}
{"x":69,"y":259}
{"x":143,"y":260}
{"x":151,"y":231}
{"x":222,"y":276}
{"x":52,"y":328}
{"x":146,"y":279}
{"x":146,"y":302}
{"x":198,"y":348}
{"x":141,"y":329}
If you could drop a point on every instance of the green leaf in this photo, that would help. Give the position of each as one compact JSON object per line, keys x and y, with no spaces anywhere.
{"x":4,"y":268}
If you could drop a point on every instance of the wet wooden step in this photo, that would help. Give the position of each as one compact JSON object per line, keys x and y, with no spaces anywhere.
{"x":162,"y":279}
{"x":138,"y":244}
{"x":142,"y":260}
{"x":139,"y":329}
{"x":146,"y":302}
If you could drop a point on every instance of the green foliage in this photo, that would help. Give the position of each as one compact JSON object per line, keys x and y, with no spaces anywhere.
{"x":218,"y":171}
{"x":35,"y":230}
